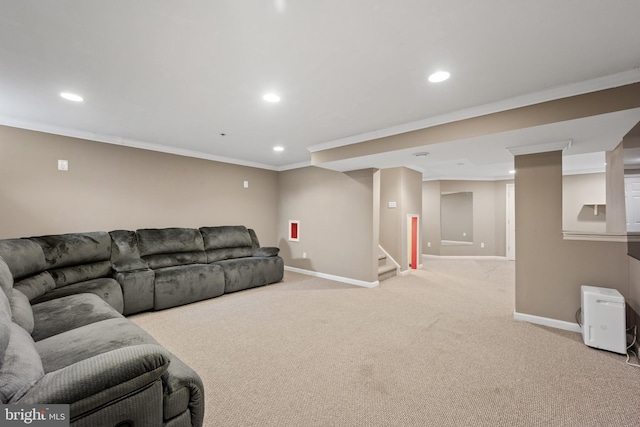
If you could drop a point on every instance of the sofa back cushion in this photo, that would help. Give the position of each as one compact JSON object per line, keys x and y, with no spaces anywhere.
{"x":226,"y":242}
{"x":124,"y":245}
{"x":24,"y":257}
{"x":168,"y":247}
{"x":255,"y":243}
{"x":26,"y":264}
{"x":76,"y":257}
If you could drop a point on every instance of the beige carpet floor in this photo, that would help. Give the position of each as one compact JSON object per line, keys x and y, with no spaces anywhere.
{"x":438,"y":347}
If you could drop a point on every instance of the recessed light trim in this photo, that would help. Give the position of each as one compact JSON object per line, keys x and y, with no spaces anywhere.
{"x":439,"y":76}
{"x":278,"y":148}
{"x":271,"y":97}
{"x":71,"y":97}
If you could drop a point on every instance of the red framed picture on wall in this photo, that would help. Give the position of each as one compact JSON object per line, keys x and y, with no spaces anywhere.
{"x":294,"y":231}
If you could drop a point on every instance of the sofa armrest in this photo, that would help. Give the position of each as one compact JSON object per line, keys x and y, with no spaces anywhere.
{"x":266,"y":251}
{"x":129,"y":264}
{"x":100,"y":380}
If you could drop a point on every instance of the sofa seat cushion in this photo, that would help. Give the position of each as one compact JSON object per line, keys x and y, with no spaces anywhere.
{"x":107,"y":289}
{"x":245,"y":273}
{"x":187,"y":283}
{"x":21,"y":366}
{"x":183,"y":388}
{"x":66,"y":313}
{"x":90,"y":340}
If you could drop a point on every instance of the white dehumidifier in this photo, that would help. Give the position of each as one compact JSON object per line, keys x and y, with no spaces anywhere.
{"x":603,"y":319}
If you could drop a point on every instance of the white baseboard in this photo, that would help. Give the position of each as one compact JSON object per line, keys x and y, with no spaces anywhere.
{"x":546,"y":321}
{"x":407,"y":272}
{"x":478,"y":257}
{"x":332,"y":277}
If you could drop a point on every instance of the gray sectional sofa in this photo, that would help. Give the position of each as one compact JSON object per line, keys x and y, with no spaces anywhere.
{"x":64,"y":337}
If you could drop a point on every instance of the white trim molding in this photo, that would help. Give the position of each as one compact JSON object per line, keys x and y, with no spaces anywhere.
{"x":574,"y":89}
{"x":478,"y":257}
{"x":595,"y":237}
{"x":540,"y":148}
{"x":546,"y":321}
{"x":346,"y":280}
{"x":389,"y":257}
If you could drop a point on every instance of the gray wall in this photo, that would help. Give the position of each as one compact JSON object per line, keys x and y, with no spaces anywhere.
{"x":549,"y":269}
{"x":336,"y":217}
{"x":113,"y":187}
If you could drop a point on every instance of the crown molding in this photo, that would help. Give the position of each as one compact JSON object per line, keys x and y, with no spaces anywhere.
{"x":580,"y":88}
{"x":125,"y":142}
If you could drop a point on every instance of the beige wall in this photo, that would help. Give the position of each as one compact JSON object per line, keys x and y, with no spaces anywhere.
{"x":390,"y":227}
{"x":633,"y":298}
{"x":403,"y":186}
{"x":489,"y":217}
{"x":112,"y":187}
{"x":500,"y":189}
{"x":336,"y":217}
{"x":431,"y":234}
{"x":574,"y":107}
{"x":616,"y":213}
{"x":456,"y":216}
{"x":550,"y":270}
{"x":577,"y":192}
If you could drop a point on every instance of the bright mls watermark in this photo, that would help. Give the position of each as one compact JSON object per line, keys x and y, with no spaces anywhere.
{"x":34,"y":415}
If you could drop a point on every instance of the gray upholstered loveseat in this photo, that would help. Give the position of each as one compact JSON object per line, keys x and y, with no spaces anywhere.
{"x":63,"y":334}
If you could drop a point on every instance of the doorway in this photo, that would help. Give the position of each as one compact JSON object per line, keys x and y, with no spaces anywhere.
{"x":413,"y":239}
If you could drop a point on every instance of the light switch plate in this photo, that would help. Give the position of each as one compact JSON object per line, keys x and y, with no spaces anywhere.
{"x":63,"y":165}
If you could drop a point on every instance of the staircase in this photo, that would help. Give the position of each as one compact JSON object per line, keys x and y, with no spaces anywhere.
{"x":386,"y":268}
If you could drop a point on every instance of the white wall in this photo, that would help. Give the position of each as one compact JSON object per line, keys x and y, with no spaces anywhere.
{"x":578,"y":191}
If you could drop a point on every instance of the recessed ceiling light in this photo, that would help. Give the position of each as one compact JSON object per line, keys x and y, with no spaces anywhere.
{"x":278,"y":148}
{"x":512,"y":171}
{"x":439,"y":76}
{"x":271,"y":97}
{"x":71,"y":97}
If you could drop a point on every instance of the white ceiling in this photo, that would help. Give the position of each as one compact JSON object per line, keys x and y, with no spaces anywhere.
{"x":173,"y":76}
